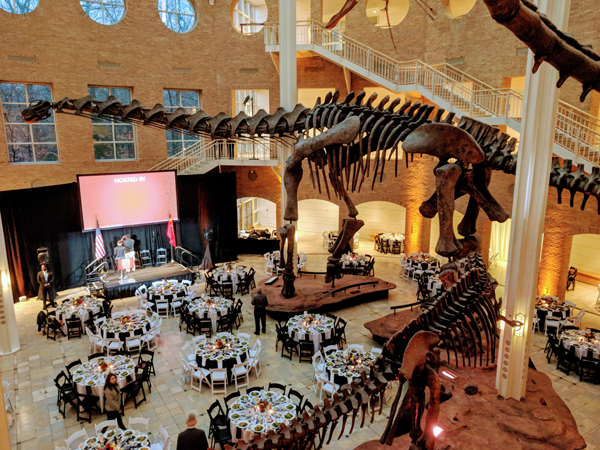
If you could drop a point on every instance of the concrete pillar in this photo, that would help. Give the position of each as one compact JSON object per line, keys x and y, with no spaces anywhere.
{"x":554,"y":266}
{"x":9,"y":336}
{"x":417,"y":230}
{"x":529,"y":209}
{"x":287,"y":54}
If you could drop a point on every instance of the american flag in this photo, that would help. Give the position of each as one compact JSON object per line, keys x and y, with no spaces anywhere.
{"x":100,"y":252}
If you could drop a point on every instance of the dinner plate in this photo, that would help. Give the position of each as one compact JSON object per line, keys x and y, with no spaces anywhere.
{"x":259,"y":428}
{"x":141,"y":438}
{"x":236,"y":406}
{"x":288,"y":416}
{"x":244,"y":398}
{"x":91,"y":440}
{"x":254,"y":394}
{"x":235,"y":416}
{"x":290,"y":407}
{"x":128,"y":433}
{"x":243,"y":425}
{"x":270,"y":394}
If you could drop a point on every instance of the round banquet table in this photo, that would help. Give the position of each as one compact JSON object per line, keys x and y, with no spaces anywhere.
{"x":232,"y":273}
{"x":166,"y":292}
{"x":391,"y":238}
{"x":353,"y":260}
{"x":577,"y":339}
{"x":207,"y":307}
{"x":80,"y":308}
{"x":318,"y":327}
{"x":127,"y":325}
{"x":90,"y":376}
{"x":344,"y":365}
{"x":550,"y":306}
{"x":121,"y":439}
{"x":221,"y":352}
{"x":259,"y":412}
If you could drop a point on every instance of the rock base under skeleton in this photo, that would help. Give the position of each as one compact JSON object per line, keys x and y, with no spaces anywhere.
{"x":486,"y":421}
{"x":385,"y":327}
{"x":314,"y":295}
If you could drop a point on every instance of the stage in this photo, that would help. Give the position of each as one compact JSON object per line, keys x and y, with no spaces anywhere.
{"x":172,"y":271}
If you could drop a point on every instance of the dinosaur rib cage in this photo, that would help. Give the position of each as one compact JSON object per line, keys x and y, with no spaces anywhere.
{"x":464,"y":317}
{"x":381,"y":133}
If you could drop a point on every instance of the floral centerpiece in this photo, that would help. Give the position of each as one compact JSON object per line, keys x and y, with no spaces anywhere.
{"x":265,"y":405}
{"x":309,"y":319}
{"x":219,"y":344}
{"x":103,"y":366}
{"x":125,"y":319}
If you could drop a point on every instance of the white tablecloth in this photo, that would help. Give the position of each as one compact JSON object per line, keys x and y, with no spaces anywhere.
{"x":576,"y":338}
{"x":80,"y":310}
{"x":211,"y":306}
{"x":248,"y":419}
{"x":91,"y":372}
{"x":122,"y":439}
{"x":237,"y":274}
{"x":319,"y":328}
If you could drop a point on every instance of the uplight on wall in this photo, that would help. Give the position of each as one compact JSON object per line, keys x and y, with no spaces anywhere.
{"x":5,"y":279}
{"x":503,"y":312}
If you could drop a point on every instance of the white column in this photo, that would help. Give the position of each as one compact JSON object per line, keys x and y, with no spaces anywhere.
{"x":529,"y":210}
{"x":287,"y":54}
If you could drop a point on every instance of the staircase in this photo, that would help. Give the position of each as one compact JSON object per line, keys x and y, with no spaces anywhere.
{"x":205,"y":155}
{"x":577,"y":133}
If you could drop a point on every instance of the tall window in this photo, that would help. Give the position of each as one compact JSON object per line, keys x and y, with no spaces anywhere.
{"x":190,"y":101}
{"x":177,"y":15}
{"x":251,"y":106}
{"x":112,"y":141}
{"x":19,"y":6}
{"x":106,"y":12}
{"x":27,"y":143}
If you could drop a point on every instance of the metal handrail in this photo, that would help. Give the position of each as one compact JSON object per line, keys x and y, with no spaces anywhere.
{"x":576,"y":130}
{"x":182,"y":261}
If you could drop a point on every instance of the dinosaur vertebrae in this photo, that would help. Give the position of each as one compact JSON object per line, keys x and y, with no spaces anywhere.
{"x":464,"y":317}
{"x":311,"y":427}
{"x":381,"y":132}
{"x":563,"y":178}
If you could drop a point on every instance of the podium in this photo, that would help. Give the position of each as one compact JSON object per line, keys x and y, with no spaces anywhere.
{"x":126,"y":264}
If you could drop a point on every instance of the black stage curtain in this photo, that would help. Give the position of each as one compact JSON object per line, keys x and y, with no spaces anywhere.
{"x":49,"y":217}
{"x":218,"y":210}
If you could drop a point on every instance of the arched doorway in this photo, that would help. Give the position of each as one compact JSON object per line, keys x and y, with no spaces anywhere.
{"x":380,"y":217}
{"x":315,"y":217}
{"x":256,"y":212}
{"x":585,"y":257}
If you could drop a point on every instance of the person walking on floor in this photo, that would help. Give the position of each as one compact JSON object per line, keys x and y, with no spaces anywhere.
{"x":192,"y":438}
{"x":260,"y":303}
{"x":111,"y":401}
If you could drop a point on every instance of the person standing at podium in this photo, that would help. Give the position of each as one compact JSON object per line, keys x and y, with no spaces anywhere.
{"x":129,"y":249}
{"x":119,"y":253}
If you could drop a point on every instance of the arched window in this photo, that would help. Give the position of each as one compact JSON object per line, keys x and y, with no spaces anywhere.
{"x":19,"y":6}
{"x":455,"y":9}
{"x":396,"y":11}
{"x":249,"y":15}
{"x":177,"y":15}
{"x":105,"y":12}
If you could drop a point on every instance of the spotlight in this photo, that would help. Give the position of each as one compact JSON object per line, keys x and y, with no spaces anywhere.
{"x":437,"y":431}
{"x":448,"y":374}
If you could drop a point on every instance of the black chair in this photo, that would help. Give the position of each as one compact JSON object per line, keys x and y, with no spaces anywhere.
{"x":568,"y":327}
{"x":396,"y":248}
{"x":385,"y":246}
{"x":588,"y":368}
{"x":204,"y":326}
{"x":221,"y":436}
{"x":224,"y":322}
{"x":229,"y":399}
{"x":147,"y":359}
{"x":219,"y":423}
{"x":227,"y":289}
{"x":63,"y":385}
{"x":297,"y":398}
{"x":142,"y":375}
{"x":65,"y":395}
{"x":306,"y":349}
{"x":95,"y":355}
{"x":250,"y":276}
{"x":307,"y":407}
{"x":190,"y":324}
{"x":243,"y":287}
{"x":555,"y":347}
{"x":377,"y":246}
{"x":281,"y":335}
{"x":594,"y":330}
{"x":74,"y":328}
{"x":131,"y":392}
{"x":278,"y":386}
{"x":340,"y":332}
{"x":239,"y":317}
{"x":71,"y":366}
{"x":53,"y":327}
{"x":288,"y":345}
{"x":567,"y":360}
{"x":254,"y":388}
{"x":86,"y":404}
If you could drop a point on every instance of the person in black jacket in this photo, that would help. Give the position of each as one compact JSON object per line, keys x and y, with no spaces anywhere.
{"x":46,"y":292}
{"x":192,"y":438}
{"x":260,"y":302}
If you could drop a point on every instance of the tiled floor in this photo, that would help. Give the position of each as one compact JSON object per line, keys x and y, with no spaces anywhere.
{"x":38,"y":424}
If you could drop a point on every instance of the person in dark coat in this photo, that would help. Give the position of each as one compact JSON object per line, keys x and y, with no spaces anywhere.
{"x":260,"y":303}
{"x":41,"y":320}
{"x":192,"y":438}
{"x":45,"y":279}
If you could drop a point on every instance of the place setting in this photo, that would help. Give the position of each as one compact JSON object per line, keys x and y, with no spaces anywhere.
{"x":316,"y":326}
{"x":222,"y":351}
{"x":126,"y":325}
{"x":117,"y":439}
